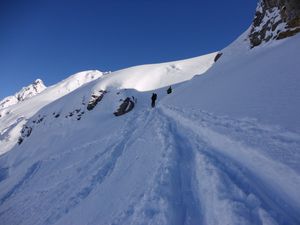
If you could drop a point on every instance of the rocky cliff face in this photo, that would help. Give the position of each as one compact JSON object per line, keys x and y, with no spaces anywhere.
{"x":274,"y":20}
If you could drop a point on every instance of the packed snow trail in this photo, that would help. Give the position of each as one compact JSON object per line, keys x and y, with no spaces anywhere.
{"x":98,"y":174}
{"x":164,"y":166}
{"x":161,"y":166}
{"x":170,"y":198}
{"x":259,"y":190}
{"x":75,"y":174}
{"x":200,"y":181}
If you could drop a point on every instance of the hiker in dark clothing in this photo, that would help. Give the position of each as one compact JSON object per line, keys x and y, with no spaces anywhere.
{"x":169,"y":91}
{"x":153,"y":98}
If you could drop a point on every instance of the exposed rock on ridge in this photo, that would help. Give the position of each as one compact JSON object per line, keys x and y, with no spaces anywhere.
{"x":274,"y":20}
{"x":26,"y":92}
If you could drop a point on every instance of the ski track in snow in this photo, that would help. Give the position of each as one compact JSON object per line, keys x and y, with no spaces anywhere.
{"x":170,"y":198}
{"x":205,"y":176}
{"x":97,"y":169}
{"x":200,"y":182}
{"x":114,"y":151}
{"x":262,"y":191}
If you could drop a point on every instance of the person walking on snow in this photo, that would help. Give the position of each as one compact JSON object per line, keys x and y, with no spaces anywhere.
{"x":169,"y":91}
{"x":153,"y":98}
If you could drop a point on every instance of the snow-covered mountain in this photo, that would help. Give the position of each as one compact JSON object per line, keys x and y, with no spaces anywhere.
{"x":25,"y":93}
{"x":222,"y":148}
{"x":15,"y":116}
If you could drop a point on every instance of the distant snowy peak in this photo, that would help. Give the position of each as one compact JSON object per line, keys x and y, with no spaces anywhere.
{"x":275,"y":20}
{"x":25,"y":93}
{"x":55,"y":91}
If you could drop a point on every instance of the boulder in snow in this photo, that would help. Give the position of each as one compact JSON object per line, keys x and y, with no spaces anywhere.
{"x":126,"y":106}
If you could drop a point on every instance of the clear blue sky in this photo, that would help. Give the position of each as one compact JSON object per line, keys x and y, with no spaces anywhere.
{"x":52,"y":39}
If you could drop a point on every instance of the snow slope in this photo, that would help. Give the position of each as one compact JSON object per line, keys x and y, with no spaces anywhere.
{"x":154,"y":76}
{"x":13,"y":117}
{"x":223,"y":148}
{"x":260,"y":83}
{"x":160,"y":166}
{"x":145,"y":77}
{"x":49,"y":115}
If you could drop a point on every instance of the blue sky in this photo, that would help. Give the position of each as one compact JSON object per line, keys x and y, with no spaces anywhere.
{"x":52,"y":39}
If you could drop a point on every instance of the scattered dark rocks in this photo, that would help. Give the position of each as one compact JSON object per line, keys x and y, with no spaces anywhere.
{"x":79,"y":115}
{"x":77,"y":112}
{"x":25,"y":132}
{"x":39,"y":119}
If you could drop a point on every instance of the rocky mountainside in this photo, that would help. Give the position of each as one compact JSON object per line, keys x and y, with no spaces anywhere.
{"x":274,"y":20}
{"x":26,"y":92}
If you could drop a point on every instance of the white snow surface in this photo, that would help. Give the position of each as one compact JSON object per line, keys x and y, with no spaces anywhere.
{"x":220,"y":149}
{"x":154,"y":76}
{"x":261,"y":84}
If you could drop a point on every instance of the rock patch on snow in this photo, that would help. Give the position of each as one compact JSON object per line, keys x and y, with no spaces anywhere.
{"x":275,"y":20}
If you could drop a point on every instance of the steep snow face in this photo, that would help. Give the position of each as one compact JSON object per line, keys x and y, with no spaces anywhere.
{"x":154,"y":76}
{"x":13,"y":117}
{"x":260,"y":83}
{"x":25,"y":93}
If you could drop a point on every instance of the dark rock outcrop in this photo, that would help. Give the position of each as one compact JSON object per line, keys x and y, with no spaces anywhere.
{"x":218,"y":56}
{"x":126,"y":106}
{"x":25,"y":132}
{"x":96,"y":97}
{"x":274,"y":20}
